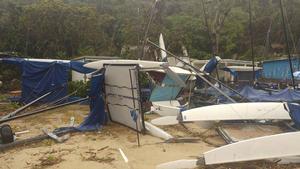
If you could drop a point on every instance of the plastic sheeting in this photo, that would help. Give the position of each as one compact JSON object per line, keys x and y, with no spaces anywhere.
{"x":97,"y":116}
{"x":169,"y":89}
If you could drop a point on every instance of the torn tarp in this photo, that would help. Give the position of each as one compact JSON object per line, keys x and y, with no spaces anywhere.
{"x":97,"y":116}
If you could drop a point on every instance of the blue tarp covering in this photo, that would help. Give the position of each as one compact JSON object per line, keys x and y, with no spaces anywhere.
{"x":254,"y":95}
{"x":295,"y":113}
{"x":41,"y":76}
{"x":97,"y":116}
{"x":211,"y":65}
{"x":287,"y":95}
{"x":169,"y":91}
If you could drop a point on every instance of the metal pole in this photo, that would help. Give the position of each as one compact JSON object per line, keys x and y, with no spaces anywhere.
{"x":41,"y":110}
{"x":147,"y":30}
{"x":287,"y":43}
{"x":251,"y":40}
{"x":24,"y":107}
{"x":133,"y":100}
{"x":137,"y":133}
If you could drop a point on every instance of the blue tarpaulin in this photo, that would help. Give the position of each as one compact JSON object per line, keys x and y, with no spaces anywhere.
{"x":40,"y":76}
{"x":255,"y":95}
{"x":209,"y":68}
{"x":211,"y":65}
{"x":287,"y":95}
{"x":97,"y":116}
{"x":294,"y":110}
{"x":169,"y":90}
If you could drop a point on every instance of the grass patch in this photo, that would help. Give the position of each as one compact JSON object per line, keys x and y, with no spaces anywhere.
{"x":47,"y":161}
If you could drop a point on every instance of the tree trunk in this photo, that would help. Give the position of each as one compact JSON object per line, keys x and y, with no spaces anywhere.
{"x":215,"y":38}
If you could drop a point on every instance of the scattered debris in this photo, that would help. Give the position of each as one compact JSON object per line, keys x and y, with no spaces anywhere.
{"x":123,"y":155}
{"x":22,"y":132}
{"x":49,"y":160}
{"x":55,"y":137}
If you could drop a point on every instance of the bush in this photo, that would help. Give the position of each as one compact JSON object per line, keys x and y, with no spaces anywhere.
{"x":80,"y":86}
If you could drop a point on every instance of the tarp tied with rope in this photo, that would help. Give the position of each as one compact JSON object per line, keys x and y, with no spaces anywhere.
{"x":39,"y":76}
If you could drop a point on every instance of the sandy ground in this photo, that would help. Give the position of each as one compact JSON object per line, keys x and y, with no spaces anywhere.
{"x":95,"y":150}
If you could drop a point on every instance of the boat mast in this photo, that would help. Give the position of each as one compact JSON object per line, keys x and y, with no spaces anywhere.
{"x":152,"y":12}
{"x":251,"y":40}
{"x":287,"y":43}
{"x":207,"y":26}
{"x":209,"y":35}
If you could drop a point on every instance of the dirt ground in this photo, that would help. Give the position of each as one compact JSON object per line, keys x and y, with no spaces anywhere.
{"x":95,"y":150}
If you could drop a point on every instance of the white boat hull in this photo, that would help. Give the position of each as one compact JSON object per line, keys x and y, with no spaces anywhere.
{"x":144,"y":64}
{"x":267,"y":147}
{"x":237,"y":111}
{"x":166,"y":108}
{"x":157,"y":132}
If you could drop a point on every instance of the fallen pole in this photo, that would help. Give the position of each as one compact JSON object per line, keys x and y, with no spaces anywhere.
{"x":42,"y":110}
{"x":25,"y":106}
{"x":225,"y":135}
{"x":31,"y":140}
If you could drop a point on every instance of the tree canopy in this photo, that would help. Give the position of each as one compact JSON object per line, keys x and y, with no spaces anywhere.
{"x":70,"y":28}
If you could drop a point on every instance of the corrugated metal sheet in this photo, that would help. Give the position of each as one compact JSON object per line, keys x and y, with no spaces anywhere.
{"x":279,"y":69}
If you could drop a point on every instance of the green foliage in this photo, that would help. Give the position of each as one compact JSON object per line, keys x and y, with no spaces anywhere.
{"x":68,"y":28}
{"x":79,"y":87}
{"x":9,"y":76}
